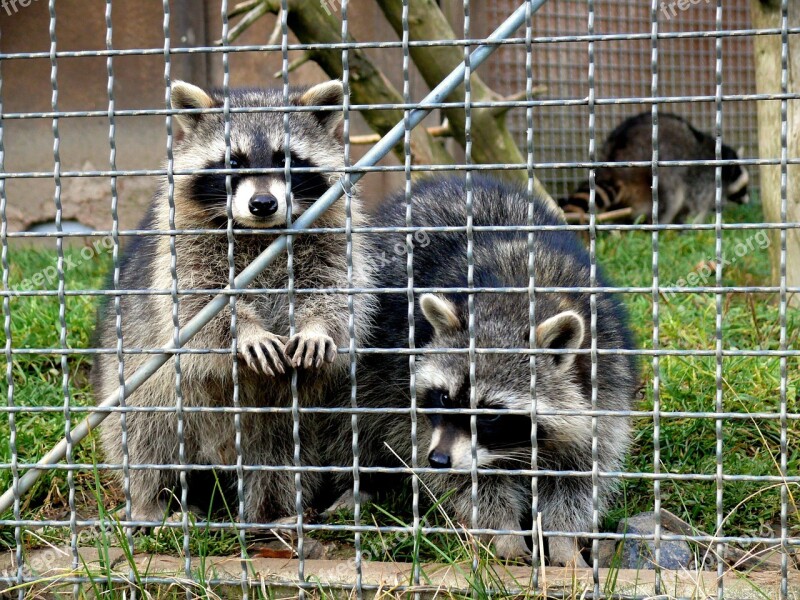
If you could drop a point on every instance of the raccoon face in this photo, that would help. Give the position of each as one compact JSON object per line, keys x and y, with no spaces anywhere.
{"x":257,"y":200}
{"x":502,"y":384}
{"x":735,"y":177}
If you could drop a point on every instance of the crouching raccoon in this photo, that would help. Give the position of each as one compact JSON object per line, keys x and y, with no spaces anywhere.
{"x":685,"y":192}
{"x":266,"y":353}
{"x":500,"y":387}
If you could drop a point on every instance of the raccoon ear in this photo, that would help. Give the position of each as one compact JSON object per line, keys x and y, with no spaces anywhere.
{"x":187,"y":96}
{"x":562,"y":332}
{"x":440,"y":312}
{"x":330,"y":93}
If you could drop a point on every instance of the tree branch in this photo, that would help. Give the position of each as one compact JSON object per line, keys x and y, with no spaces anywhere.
{"x":612,"y":215}
{"x":254,"y":11}
{"x":427,"y":22}
{"x":295,"y":64}
{"x":242,"y":8}
{"x":439,"y":131}
{"x":500,"y":111}
{"x":311,"y":23}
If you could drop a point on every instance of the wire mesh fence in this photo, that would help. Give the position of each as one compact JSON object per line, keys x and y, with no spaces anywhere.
{"x":300,"y":388}
{"x":685,"y":68}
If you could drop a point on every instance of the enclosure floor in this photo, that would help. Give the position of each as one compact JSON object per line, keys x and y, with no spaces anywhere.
{"x":385,"y":579}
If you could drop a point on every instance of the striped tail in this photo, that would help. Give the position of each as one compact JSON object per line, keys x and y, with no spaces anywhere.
{"x":606,"y":198}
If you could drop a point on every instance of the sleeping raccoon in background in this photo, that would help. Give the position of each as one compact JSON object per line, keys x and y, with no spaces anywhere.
{"x":265,"y":352}
{"x":684,"y":192}
{"x":503,"y":381}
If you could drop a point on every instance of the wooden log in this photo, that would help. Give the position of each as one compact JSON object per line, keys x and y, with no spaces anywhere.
{"x":767,"y":14}
{"x":493,"y":142}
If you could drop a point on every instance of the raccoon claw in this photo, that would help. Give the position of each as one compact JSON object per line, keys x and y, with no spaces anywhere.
{"x":564,"y":552}
{"x":346,"y":502}
{"x":155,"y":515}
{"x":265,"y":354}
{"x":176,"y":517}
{"x":511,"y":547}
{"x":310,"y":350}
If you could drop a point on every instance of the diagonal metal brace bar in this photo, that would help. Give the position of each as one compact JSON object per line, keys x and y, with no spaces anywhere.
{"x":246,"y":277}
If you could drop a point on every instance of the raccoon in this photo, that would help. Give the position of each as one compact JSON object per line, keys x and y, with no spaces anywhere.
{"x":502,"y":380}
{"x":684,"y":192}
{"x":266,"y":354}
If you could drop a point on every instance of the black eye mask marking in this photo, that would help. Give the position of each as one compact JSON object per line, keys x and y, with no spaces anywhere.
{"x":506,"y":431}
{"x":210,"y":188}
{"x":439,"y":399}
{"x":305,"y":186}
{"x":210,"y":191}
{"x":495,"y":431}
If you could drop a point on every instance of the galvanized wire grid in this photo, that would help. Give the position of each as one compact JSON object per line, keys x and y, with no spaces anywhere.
{"x":622,"y":70}
{"x":564,"y":164}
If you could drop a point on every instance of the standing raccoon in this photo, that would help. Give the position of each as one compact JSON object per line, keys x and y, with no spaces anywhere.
{"x":684,"y":192}
{"x":502,"y":380}
{"x":265,"y":352}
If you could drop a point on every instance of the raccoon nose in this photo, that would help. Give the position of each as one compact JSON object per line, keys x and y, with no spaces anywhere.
{"x":263,"y":205}
{"x":439,"y":460}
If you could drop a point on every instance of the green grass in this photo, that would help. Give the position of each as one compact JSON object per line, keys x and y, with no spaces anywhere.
{"x":38,"y":377}
{"x":687,"y":384}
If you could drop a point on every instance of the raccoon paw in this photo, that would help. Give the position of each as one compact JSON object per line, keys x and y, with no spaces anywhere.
{"x":148,"y":514}
{"x":564,"y":552}
{"x":310,"y":350}
{"x":155,"y":514}
{"x":264,"y":353}
{"x":346,"y":502}
{"x":511,"y":547}
{"x":170,"y":523}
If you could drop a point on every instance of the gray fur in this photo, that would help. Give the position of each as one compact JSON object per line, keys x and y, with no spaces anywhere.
{"x":262,"y":320}
{"x":684,"y":192}
{"x":503,"y":380}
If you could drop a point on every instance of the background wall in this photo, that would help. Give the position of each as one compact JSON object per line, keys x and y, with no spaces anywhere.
{"x":686,"y":67}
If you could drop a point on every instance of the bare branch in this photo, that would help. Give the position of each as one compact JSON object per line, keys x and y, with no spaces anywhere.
{"x":312,"y":24}
{"x":277,"y":31}
{"x":443,"y":130}
{"x":439,"y":131}
{"x":582,"y":217}
{"x":497,"y":145}
{"x":258,"y":10}
{"x":500,"y":111}
{"x":295,"y":64}
{"x":242,"y":8}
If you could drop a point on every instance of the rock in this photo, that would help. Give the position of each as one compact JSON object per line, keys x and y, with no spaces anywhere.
{"x":607,"y":550}
{"x":640,"y":554}
{"x":314,"y":549}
